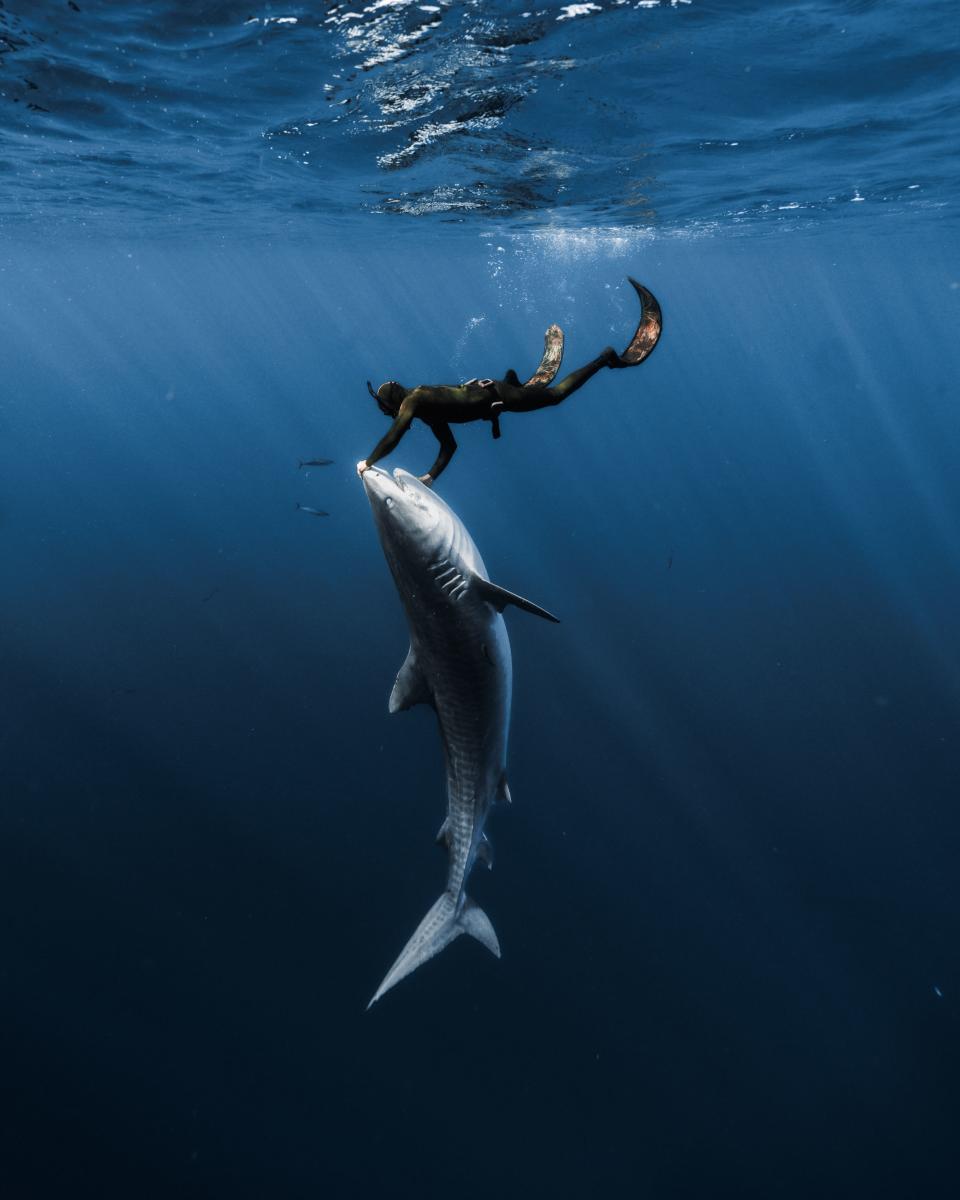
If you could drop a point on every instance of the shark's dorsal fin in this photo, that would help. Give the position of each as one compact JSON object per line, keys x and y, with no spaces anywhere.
{"x":499,"y":597}
{"x":411,"y":687}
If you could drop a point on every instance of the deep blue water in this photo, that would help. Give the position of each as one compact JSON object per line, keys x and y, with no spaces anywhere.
{"x":727,"y":891}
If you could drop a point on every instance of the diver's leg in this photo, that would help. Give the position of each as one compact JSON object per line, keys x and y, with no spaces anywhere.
{"x":576,"y":379}
{"x":530,"y":398}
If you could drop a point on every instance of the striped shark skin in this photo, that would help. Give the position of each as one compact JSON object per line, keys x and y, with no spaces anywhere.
{"x":459,"y":663}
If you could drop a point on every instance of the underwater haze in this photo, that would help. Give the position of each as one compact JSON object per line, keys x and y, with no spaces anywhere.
{"x":727,"y":891}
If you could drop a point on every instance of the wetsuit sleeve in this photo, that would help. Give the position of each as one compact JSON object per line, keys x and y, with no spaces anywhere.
{"x":391,"y":439}
{"x":448,"y":445}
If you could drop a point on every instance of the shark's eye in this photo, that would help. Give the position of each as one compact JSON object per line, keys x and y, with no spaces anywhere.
{"x":389,"y":501}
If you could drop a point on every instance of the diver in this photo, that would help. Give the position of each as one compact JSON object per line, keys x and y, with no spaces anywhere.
{"x":485,"y":399}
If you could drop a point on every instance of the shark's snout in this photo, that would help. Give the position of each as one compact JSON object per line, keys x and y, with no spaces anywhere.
{"x":377,"y":483}
{"x":381,"y":485}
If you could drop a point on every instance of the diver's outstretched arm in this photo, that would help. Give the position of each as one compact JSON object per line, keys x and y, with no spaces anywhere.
{"x":391,"y":439}
{"x":448,"y":446}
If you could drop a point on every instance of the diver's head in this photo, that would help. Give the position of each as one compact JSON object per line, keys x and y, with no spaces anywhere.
{"x":389,"y":396}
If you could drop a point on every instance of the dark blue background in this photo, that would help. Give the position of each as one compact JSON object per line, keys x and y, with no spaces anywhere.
{"x":727,"y":889}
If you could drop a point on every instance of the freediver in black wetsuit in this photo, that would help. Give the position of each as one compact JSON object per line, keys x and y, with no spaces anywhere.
{"x":485,"y":399}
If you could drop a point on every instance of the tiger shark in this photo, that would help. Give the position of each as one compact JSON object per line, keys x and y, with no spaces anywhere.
{"x":459,"y":663}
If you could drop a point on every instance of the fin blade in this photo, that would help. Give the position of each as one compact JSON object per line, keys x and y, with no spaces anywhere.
{"x":499,"y":597}
{"x":411,"y":687}
{"x":647,"y":334}
{"x":545,"y":374}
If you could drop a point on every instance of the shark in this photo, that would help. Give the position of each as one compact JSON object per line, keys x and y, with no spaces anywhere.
{"x":459,"y":663}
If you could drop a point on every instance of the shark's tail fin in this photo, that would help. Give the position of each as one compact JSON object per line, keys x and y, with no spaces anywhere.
{"x":445,"y":921}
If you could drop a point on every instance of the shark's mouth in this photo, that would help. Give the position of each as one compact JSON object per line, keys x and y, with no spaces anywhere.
{"x":378,"y":483}
{"x":387,"y":490}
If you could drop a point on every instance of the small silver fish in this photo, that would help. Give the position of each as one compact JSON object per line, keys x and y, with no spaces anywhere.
{"x":314,"y":512}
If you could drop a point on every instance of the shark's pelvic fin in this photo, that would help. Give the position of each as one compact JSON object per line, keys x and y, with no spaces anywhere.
{"x":411,"y":687}
{"x":499,"y":597}
{"x":485,"y":852}
{"x":442,"y":925}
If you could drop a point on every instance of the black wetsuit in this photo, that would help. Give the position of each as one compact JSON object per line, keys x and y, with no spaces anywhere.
{"x":442,"y":406}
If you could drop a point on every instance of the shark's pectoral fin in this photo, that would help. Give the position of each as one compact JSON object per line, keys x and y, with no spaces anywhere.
{"x":499,"y":597}
{"x":411,"y":687}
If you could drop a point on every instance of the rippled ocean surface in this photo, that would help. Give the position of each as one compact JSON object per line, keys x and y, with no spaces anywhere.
{"x":727,"y":889}
{"x":656,"y":114}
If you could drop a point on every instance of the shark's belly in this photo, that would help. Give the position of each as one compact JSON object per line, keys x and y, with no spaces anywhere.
{"x":467,"y":663}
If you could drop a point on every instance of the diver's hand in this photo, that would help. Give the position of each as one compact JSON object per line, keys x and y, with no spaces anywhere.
{"x":362,"y":466}
{"x":427,"y":479}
